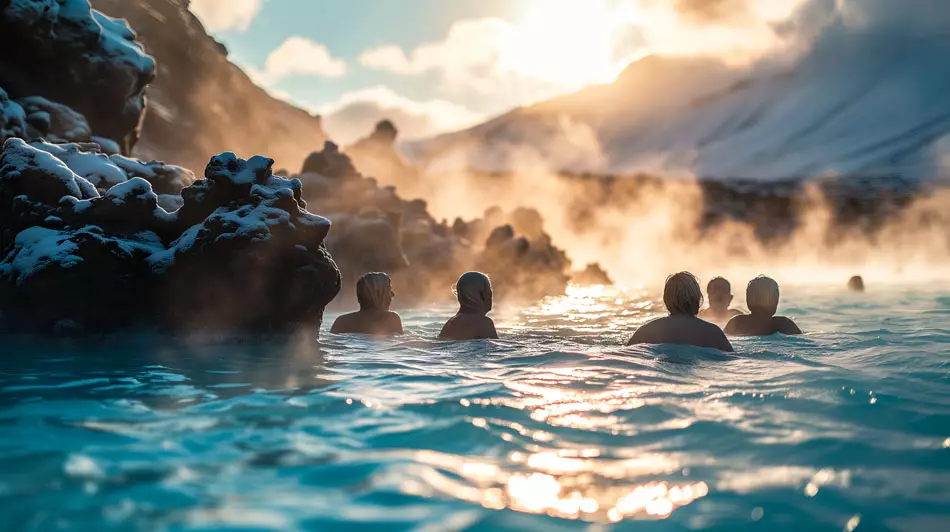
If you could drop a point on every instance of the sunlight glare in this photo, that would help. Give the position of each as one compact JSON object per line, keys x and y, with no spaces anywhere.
{"x":566,"y":42}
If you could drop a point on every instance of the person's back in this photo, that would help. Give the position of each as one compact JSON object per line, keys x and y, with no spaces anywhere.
{"x":762,"y":296}
{"x":464,"y":326}
{"x":719,"y":293}
{"x":682,"y":329}
{"x":682,"y":297}
{"x":375,"y":295}
{"x":374,"y":322}
{"x":474,"y":293}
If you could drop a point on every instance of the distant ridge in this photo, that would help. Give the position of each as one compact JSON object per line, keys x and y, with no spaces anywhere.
{"x":202,"y":104}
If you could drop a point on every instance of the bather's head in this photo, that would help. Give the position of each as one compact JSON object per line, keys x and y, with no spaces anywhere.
{"x":474,"y":293}
{"x":682,"y":294}
{"x":719,"y":293}
{"x":762,"y":296}
{"x":856,"y":284}
{"x":374,"y":291}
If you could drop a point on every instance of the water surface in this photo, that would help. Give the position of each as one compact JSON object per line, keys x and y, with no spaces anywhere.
{"x":554,"y":427}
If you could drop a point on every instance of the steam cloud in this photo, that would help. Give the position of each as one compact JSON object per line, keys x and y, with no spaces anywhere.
{"x":642,"y":228}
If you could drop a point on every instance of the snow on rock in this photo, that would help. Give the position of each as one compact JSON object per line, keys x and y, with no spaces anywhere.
{"x":32,"y":183}
{"x":85,"y":161}
{"x":64,"y":52}
{"x":105,"y":171}
{"x":264,"y":251}
{"x":241,"y":253}
{"x":83,"y":275}
{"x":166,"y":179}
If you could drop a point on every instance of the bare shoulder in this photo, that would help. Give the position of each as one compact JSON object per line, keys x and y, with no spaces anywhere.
{"x":736,"y":324}
{"x":708,"y":326}
{"x":342,"y":323}
{"x":786,"y":325}
{"x":646,"y":332}
{"x":488,"y":328}
{"x":395,"y":322}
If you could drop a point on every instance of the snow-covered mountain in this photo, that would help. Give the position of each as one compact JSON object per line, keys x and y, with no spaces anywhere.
{"x":869,"y":94}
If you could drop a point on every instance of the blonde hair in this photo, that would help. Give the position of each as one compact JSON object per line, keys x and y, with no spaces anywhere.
{"x":374,"y":291}
{"x":473,"y":290}
{"x":761,"y":295}
{"x":682,"y":294}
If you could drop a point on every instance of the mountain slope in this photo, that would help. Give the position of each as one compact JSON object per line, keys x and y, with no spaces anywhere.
{"x":870,"y":95}
{"x":565,"y":133}
{"x":200,"y":104}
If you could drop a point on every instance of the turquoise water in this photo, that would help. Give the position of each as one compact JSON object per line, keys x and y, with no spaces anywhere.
{"x":553,"y":427}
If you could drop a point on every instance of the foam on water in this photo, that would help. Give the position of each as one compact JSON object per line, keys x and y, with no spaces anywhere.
{"x":554,"y":427}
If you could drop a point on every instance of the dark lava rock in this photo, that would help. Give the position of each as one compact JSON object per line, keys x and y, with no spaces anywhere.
{"x":592,"y":275}
{"x":65,"y":52}
{"x":242,"y":253}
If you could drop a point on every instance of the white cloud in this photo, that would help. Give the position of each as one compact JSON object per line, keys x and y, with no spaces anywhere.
{"x":390,"y":57}
{"x":356,"y":113}
{"x":568,"y":44}
{"x":301,"y":56}
{"x":221,"y":15}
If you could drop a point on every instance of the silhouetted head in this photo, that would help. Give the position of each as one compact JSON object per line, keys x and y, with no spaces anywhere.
{"x":719,"y":292}
{"x":474,"y":293}
{"x":762,"y":295}
{"x":374,"y":291}
{"x":856,"y":284}
{"x":682,"y":294}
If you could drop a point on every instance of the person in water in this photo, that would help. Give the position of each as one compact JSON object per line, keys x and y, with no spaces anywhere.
{"x":374,"y":291}
{"x":761,"y":296}
{"x":856,"y":284}
{"x":682,"y":297}
{"x":475,"y":301}
{"x":719,"y":293}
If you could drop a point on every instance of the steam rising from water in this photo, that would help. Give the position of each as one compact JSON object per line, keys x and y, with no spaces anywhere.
{"x":641,"y":229}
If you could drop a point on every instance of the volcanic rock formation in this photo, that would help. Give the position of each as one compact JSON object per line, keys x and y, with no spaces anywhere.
{"x":67,"y":53}
{"x":241,"y":253}
{"x":377,"y":230}
{"x":92,"y":240}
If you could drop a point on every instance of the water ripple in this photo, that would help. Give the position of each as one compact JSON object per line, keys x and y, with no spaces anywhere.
{"x":554,"y":427}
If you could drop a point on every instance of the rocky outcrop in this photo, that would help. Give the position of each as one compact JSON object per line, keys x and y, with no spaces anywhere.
{"x":377,"y":155}
{"x":62,"y":51}
{"x":375,"y":229}
{"x":200,"y":103}
{"x":592,"y":275}
{"x":518,"y":254}
{"x":97,"y":253}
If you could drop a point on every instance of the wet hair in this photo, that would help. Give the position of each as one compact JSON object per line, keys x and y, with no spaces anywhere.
{"x":762,"y":295}
{"x":374,"y":291}
{"x":718,"y":284}
{"x":856,"y":284}
{"x":682,"y":294}
{"x":473,"y":290}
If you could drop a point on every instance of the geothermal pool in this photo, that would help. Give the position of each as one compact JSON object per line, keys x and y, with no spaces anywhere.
{"x":554,"y":427}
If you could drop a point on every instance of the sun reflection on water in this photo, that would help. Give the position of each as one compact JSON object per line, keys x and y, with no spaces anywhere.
{"x":557,"y":478}
{"x":568,"y":488}
{"x":592,"y":308}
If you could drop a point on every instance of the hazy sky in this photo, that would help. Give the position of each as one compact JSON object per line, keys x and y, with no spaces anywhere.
{"x":438,"y":65}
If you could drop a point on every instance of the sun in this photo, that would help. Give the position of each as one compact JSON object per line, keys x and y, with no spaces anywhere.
{"x":569,"y":43}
